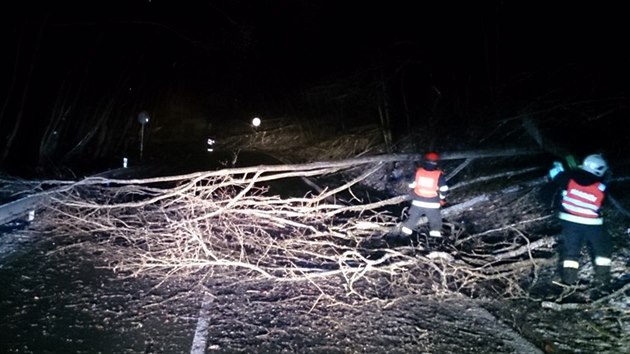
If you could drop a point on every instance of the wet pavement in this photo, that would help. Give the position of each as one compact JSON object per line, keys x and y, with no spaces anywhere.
{"x":60,"y":299}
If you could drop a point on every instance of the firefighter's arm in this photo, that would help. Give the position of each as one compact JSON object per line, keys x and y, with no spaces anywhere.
{"x":556,"y":168}
{"x":443,"y":190}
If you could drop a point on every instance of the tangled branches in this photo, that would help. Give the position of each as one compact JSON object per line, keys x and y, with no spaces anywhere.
{"x":227,"y":223}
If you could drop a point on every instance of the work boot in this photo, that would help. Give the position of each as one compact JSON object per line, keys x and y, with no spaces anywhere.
{"x":569,"y":276}
{"x":602,"y":276}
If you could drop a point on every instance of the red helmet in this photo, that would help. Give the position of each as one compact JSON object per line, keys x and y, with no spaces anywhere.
{"x":432,"y":157}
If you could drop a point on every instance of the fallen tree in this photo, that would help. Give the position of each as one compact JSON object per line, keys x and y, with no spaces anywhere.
{"x":226,"y":223}
{"x":227,"y":226}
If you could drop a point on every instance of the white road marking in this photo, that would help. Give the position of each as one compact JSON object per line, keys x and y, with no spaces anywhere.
{"x":201,"y":332}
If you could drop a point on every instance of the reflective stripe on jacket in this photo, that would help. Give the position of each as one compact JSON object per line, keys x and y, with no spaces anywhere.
{"x":582,"y":204}
{"x":426,"y":183}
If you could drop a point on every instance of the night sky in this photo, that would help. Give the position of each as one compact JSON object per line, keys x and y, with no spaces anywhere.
{"x":225,"y":59}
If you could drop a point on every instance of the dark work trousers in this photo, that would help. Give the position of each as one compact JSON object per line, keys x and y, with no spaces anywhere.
{"x":574,"y":236}
{"x":434,"y":216}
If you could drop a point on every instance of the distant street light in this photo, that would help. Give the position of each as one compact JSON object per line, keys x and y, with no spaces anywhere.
{"x":256,"y":122}
{"x":143,"y":119}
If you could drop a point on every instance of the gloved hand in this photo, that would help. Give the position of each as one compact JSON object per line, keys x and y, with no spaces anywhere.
{"x":555,"y":169}
{"x":396,"y":175}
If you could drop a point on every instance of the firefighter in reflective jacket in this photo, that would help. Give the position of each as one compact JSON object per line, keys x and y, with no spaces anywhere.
{"x":580,"y":216}
{"x":429,"y":191}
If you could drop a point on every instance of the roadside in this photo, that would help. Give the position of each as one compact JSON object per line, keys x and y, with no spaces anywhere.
{"x":64,"y":294}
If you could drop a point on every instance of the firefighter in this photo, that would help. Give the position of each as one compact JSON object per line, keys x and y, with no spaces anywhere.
{"x":428,"y":192}
{"x":583,"y":192}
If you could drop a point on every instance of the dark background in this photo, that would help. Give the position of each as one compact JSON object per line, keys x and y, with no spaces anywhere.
{"x":75,"y":74}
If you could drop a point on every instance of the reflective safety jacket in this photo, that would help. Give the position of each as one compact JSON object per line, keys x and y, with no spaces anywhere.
{"x":429,"y":188}
{"x":582,"y":197}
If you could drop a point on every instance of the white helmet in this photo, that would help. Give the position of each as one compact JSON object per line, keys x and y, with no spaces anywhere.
{"x":595,"y":164}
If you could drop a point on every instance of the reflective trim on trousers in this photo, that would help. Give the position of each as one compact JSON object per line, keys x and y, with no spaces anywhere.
{"x":571,"y":264}
{"x":407,"y":231}
{"x":603,"y":261}
{"x":580,"y":219}
{"x":430,"y":205}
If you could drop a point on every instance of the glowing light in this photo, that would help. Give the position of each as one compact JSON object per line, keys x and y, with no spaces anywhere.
{"x":256,"y":121}
{"x":143,"y":117}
